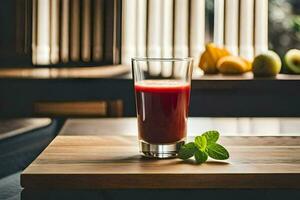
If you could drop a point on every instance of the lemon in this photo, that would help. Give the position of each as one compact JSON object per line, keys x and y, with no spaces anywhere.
{"x":232,"y":65}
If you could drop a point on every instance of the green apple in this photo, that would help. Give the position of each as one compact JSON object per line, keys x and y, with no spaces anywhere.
{"x":292,"y":60}
{"x":267,"y":64}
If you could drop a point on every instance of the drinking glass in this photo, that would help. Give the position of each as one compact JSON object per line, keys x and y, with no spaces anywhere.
{"x":162,"y":92}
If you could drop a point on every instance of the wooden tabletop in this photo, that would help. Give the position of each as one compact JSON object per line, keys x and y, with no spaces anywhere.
{"x":97,"y":162}
{"x":196,"y":125}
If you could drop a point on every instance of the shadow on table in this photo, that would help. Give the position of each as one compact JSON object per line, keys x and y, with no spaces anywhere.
{"x":210,"y":162}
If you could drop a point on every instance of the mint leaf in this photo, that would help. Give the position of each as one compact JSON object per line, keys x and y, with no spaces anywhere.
{"x":204,"y":146}
{"x":211,"y":136}
{"x":186,"y":151}
{"x":200,"y":156}
{"x":201,"y":142}
{"x":217,"y":151}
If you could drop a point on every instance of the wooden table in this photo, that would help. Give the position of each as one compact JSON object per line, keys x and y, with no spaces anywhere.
{"x":196,"y":125}
{"x":113,"y":162}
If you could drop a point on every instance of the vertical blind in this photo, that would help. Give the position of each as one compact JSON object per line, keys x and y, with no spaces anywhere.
{"x":68,"y":31}
{"x":82,"y":31}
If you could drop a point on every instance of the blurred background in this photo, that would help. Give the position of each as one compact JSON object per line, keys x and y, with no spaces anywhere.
{"x":89,"y":32}
{"x":284,"y":24}
{"x":57,"y":54}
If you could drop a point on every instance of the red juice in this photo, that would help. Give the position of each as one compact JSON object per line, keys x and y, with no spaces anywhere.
{"x":162,"y":110}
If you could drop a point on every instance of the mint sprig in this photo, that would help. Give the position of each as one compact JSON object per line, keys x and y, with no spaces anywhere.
{"x":203,"y":147}
{"x":188,"y":150}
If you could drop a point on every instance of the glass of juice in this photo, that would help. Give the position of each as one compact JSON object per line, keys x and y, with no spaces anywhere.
{"x":162,"y":91}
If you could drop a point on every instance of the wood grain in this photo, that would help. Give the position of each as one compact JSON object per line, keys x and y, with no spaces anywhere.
{"x":83,"y":108}
{"x":95,"y":162}
{"x":107,"y":71}
{"x":196,"y":125}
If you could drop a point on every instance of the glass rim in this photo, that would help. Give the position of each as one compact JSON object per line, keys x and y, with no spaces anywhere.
{"x":175,"y":59}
